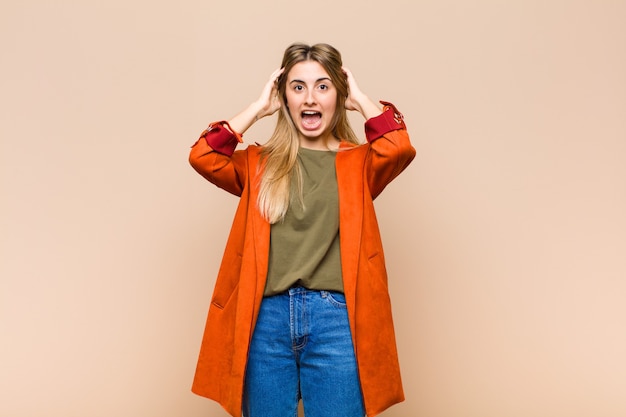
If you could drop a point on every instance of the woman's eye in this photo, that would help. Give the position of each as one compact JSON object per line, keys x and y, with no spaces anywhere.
{"x":323,"y":87}
{"x":298,"y":88}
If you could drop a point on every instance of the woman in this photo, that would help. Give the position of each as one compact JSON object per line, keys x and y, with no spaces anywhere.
{"x":300,"y":307}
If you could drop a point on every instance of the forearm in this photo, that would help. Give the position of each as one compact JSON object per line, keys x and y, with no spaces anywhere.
{"x":266,"y":105}
{"x":368,"y":108}
{"x":242,"y":122}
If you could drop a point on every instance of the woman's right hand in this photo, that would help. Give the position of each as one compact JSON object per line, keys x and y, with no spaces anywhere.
{"x":269,"y":102}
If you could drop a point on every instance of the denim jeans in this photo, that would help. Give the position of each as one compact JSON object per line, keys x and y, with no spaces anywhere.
{"x":302,"y":348}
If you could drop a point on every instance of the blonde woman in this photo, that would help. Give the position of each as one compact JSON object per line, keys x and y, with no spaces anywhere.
{"x":300,"y":308}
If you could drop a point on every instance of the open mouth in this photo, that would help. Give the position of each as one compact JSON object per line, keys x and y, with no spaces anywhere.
{"x":311,"y":120}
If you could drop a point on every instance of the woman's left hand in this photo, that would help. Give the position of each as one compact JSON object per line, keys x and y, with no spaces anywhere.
{"x":357,"y":100}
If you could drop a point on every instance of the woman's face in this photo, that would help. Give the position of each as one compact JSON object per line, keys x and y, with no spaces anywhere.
{"x":311,"y":100}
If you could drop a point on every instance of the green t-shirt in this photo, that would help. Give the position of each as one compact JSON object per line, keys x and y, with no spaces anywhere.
{"x":304,"y":247}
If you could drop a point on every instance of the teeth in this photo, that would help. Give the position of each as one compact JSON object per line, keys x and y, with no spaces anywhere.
{"x":310,"y":113}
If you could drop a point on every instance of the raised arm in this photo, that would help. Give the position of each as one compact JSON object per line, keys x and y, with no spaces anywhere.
{"x":267,"y":104}
{"x":213,"y":156}
{"x":390,"y":148}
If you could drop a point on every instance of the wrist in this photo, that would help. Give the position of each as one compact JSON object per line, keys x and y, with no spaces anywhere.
{"x":256,"y":110}
{"x":367,"y":107}
{"x":245,"y":119}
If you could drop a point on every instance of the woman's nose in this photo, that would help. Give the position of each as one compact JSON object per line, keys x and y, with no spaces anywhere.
{"x":310,"y":97}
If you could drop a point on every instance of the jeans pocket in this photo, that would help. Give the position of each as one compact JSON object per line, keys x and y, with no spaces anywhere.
{"x":335,"y":298}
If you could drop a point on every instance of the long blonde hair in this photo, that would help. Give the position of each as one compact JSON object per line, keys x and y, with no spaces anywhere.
{"x":279,"y":155}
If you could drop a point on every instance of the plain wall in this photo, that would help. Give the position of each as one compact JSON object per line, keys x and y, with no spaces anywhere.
{"x":505,"y":239}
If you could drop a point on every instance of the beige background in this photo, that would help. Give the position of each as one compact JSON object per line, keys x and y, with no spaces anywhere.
{"x":506,"y":238}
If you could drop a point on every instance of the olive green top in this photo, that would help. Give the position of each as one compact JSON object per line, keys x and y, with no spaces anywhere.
{"x":304,"y":247}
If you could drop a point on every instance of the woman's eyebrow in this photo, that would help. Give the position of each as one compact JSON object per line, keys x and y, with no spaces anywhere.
{"x":316,"y":81}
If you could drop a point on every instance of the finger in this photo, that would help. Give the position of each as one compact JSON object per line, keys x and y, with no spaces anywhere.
{"x":349,"y":77}
{"x":276,"y":74}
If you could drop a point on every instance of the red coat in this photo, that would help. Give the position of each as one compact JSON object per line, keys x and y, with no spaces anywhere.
{"x":362,"y":174}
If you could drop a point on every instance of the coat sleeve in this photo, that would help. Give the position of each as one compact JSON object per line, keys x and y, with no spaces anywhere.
{"x":214,"y":157}
{"x":390,"y":148}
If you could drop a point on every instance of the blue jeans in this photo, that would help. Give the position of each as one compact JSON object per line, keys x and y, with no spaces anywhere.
{"x":302,"y":348}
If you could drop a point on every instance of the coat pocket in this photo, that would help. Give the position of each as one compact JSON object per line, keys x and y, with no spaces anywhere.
{"x":227,"y":283}
{"x":377,"y":269}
